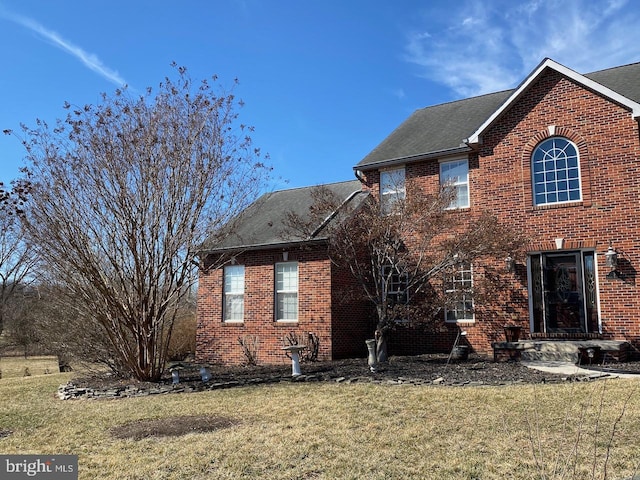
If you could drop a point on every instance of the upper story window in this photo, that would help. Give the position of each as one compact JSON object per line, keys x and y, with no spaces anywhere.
{"x":233,"y":308}
{"x":455,"y":174}
{"x":556,"y":172}
{"x":392,"y":189}
{"x":287,"y":292}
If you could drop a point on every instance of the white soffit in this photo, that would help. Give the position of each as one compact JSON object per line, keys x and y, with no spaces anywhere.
{"x":533,"y":76}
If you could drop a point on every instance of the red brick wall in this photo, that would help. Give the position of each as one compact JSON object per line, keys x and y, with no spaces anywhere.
{"x":339,"y":321}
{"x":500,"y":181}
{"x":607,"y":140}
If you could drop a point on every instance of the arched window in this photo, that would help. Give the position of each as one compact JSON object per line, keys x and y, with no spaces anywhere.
{"x":556,"y":172}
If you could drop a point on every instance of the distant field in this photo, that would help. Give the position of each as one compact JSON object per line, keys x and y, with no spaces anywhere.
{"x":12,"y":367}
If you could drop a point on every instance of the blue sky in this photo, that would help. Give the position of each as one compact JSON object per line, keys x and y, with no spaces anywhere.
{"x":323,"y":81}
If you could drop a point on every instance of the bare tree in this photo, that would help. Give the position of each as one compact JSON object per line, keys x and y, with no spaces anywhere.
{"x":403,"y":256}
{"x":17,"y":259}
{"x":122,"y":193}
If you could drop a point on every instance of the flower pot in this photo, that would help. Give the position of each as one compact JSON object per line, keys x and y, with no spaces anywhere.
{"x":460,"y":353}
{"x":512,"y":333}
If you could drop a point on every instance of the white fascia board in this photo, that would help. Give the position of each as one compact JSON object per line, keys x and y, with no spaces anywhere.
{"x":475,"y":139}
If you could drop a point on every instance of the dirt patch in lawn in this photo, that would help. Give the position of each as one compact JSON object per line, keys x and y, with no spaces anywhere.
{"x":171,"y":426}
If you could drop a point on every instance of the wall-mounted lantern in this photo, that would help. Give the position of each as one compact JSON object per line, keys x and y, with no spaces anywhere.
{"x":611,"y":261}
{"x":510,"y":264}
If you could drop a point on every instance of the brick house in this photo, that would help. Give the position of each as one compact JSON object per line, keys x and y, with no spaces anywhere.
{"x":266,"y":282}
{"x":558,"y":156}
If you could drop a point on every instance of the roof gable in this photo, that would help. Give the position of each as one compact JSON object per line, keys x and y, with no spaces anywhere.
{"x":453,"y":128}
{"x":263,"y":223}
{"x":587,"y":82}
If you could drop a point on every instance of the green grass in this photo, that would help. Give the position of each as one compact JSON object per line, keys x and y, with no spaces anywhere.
{"x":338,"y":431}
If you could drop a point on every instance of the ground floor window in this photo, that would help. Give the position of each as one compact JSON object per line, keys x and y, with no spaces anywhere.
{"x":233,"y":307}
{"x":459,"y":290}
{"x":287,"y":292}
{"x":563,"y":292}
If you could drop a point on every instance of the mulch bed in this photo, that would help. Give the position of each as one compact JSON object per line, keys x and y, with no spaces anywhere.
{"x":477,"y":370}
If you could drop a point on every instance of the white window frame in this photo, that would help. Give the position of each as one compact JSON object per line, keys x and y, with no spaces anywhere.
{"x":461,"y":281}
{"x":392,"y":188}
{"x":288,"y":290}
{"x":457,"y":183}
{"x":397,"y":286}
{"x":233,"y":292}
{"x":556,"y":176}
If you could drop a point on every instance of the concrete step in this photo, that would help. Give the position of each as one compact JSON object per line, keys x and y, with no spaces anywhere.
{"x":567,"y":351}
{"x":549,"y":356}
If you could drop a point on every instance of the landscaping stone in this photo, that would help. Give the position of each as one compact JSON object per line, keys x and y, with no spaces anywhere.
{"x":399,"y":371}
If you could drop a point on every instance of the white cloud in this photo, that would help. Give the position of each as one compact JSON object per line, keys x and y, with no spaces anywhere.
{"x":493,"y":46}
{"x":90,"y":60}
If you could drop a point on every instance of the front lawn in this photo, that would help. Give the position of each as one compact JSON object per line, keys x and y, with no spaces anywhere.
{"x":337,"y":431}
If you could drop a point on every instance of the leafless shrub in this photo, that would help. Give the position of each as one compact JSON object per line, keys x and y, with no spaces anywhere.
{"x":123,"y":194}
{"x":309,"y":339}
{"x":250,"y":345}
{"x":580,"y":453}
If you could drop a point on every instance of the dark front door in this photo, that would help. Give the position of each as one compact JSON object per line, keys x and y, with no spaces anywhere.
{"x":563,"y":293}
{"x":562,"y":282}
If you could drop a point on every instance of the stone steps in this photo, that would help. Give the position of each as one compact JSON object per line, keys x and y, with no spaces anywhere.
{"x":570,"y":351}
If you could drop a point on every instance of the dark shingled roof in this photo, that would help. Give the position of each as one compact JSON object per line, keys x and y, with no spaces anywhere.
{"x":261,"y":225}
{"x":441,"y":129}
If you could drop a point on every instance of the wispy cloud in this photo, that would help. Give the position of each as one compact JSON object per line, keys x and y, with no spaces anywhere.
{"x":90,"y":60}
{"x":493,"y":45}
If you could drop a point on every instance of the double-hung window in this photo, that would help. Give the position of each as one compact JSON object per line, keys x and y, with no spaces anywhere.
{"x":233,"y":308}
{"x":287,"y":292}
{"x":455,"y":174}
{"x":392,"y":189}
{"x":458,"y":287}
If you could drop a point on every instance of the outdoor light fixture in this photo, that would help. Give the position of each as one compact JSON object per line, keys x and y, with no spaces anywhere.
{"x":611,"y":261}
{"x":285,"y":256}
{"x":510,"y":264}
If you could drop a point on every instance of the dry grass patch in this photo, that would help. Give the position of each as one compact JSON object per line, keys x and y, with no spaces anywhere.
{"x":328,"y":431}
{"x":171,"y":426}
{"x":18,"y":367}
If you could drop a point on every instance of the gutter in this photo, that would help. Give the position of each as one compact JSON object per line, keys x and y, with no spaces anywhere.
{"x":463,"y":148}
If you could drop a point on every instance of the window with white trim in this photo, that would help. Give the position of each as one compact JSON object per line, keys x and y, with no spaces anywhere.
{"x":392,"y":189}
{"x":459,"y":287}
{"x":455,"y":174}
{"x":396,"y":286}
{"x":233,"y":307}
{"x":287,"y":292}
{"x":555,"y":171}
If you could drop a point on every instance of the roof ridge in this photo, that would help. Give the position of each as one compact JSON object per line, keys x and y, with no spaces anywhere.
{"x":465,"y":99}
{"x":311,"y":186}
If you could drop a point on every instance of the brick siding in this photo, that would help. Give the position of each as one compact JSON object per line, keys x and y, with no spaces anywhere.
{"x":340,"y":324}
{"x":607,"y":138}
